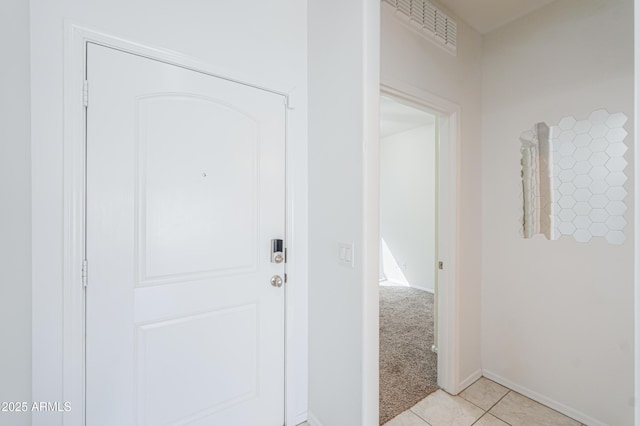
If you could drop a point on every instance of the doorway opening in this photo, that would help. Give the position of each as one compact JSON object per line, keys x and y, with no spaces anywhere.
{"x":408,"y":196}
{"x":409,"y":138}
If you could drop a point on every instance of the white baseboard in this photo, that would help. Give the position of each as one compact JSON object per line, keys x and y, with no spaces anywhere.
{"x":469,"y":380}
{"x":388,"y":283}
{"x":312,"y":419}
{"x":417,"y":287}
{"x":567,"y":411}
{"x":299,"y":418}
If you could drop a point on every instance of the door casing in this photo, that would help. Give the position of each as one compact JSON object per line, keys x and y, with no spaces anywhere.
{"x":448,"y":114}
{"x":76,"y":38}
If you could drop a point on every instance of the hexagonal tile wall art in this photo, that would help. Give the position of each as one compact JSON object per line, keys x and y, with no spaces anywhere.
{"x":573,"y":177}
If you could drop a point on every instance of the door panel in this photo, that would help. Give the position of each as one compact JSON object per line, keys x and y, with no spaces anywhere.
{"x":176,"y":175}
{"x":166,"y":392}
{"x":185,"y":181}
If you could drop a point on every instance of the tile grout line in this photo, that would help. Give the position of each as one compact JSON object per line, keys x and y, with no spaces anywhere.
{"x":497,"y":402}
{"x":487,"y":411}
{"x":475,"y":405}
{"x":419,"y":416}
{"x":545,"y":406}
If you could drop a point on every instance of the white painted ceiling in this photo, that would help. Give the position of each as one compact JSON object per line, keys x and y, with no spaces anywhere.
{"x":396,"y":117}
{"x":487,"y":15}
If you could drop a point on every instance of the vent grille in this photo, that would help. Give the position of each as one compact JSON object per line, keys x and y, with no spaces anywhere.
{"x":425,"y":17}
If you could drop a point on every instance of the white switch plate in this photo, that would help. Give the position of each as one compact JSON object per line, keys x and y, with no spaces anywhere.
{"x":345,"y":254}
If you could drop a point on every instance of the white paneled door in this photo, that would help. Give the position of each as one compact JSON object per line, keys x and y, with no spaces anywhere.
{"x":185,"y":191}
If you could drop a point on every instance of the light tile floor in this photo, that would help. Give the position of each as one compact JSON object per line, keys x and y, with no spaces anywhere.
{"x":484,"y":403}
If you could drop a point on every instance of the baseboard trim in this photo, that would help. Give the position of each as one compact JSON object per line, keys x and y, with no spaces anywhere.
{"x":417,"y":287}
{"x":396,"y":284}
{"x":469,"y":380}
{"x":567,"y":411}
{"x":312,"y":419}
{"x":300,"y":418}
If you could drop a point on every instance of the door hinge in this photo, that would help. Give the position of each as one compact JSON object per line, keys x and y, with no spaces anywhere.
{"x":285,"y":278}
{"x":85,"y":272}
{"x":285,"y":255}
{"x":440,"y":265}
{"x":289,"y":101}
{"x":85,"y":93}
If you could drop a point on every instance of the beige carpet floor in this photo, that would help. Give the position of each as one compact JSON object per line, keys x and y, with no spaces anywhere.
{"x":408,"y":367}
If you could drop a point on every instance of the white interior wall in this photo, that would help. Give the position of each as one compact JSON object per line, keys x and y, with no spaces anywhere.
{"x":557,"y":316}
{"x":343,"y":139}
{"x":15,"y":214}
{"x":412,"y":60}
{"x":164,"y":24}
{"x":408,"y":204}
{"x":637,"y":211}
{"x":261,"y":42}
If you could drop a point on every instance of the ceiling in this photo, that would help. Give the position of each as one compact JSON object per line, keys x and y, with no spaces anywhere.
{"x":487,"y":15}
{"x":396,"y":117}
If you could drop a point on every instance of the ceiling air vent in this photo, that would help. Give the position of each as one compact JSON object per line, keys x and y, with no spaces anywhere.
{"x":424,"y":17}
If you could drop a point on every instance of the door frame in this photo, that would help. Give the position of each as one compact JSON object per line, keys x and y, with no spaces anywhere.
{"x":448,"y":115}
{"x":73,"y":321}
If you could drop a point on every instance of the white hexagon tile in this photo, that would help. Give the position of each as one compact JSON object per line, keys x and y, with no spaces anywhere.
{"x":588,"y":177}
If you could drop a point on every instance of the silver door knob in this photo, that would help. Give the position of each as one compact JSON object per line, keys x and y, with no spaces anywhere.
{"x":276,"y":281}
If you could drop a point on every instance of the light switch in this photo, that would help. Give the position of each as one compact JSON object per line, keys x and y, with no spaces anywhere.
{"x":346,"y":254}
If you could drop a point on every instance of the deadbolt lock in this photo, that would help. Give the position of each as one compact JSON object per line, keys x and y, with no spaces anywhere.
{"x":277,"y":251}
